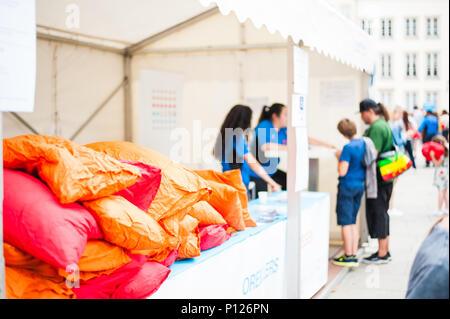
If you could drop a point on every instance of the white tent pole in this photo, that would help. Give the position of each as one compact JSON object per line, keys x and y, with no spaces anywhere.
{"x":49,"y":37}
{"x":240,"y":47}
{"x":99,"y":108}
{"x":24,"y":123}
{"x":292,"y":260}
{"x":127,"y":102}
{"x":132,"y":49}
{"x":2,"y":259}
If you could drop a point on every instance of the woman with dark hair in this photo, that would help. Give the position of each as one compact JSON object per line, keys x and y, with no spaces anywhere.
{"x":231,"y":146}
{"x":382,"y":111}
{"x":410,"y":132}
{"x":270,"y":135}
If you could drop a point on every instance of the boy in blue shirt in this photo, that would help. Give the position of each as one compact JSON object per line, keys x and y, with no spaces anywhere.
{"x":350,"y":190}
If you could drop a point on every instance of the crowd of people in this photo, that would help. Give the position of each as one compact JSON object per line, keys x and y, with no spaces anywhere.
{"x":359,"y":172}
{"x":358,"y":169}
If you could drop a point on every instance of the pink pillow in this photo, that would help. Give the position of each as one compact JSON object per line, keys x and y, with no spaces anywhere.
{"x":104,"y":286}
{"x":213,"y":236}
{"x":148,"y":280}
{"x":142,"y":193}
{"x":35,"y":222}
{"x":170,"y":259}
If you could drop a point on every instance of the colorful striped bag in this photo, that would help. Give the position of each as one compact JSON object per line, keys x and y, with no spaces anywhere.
{"x":393,"y":164}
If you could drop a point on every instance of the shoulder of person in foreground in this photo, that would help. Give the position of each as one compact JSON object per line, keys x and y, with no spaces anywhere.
{"x":429,"y":277}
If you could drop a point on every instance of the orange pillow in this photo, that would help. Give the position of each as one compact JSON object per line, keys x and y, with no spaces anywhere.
{"x":17,"y":258}
{"x":27,"y":284}
{"x":73,"y":172}
{"x":190,"y":238}
{"x":206,"y":214}
{"x":180,"y":187}
{"x":99,"y":258}
{"x":127,"y":226}
{"x":234,"y":179}
{"x":225,"y":199}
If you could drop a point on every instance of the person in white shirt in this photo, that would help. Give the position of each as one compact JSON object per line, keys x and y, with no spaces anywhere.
{"x":418,"y":115}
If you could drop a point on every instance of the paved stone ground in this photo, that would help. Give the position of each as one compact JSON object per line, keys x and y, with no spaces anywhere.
{"x":416,"y":197}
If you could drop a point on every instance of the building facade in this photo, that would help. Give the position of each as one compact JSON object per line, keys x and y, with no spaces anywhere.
{"x":412,"y":41}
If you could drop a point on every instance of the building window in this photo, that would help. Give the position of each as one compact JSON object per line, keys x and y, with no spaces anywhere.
{"x":432,"y":27}
{"x":386,"y":28}
{"x":386,"y":65}
{"x":411,"y":27}
{"x":366,"y":25}
{"x":411,"y":100}
{"x":411,"y":65}
{"x":432,"y":96}
{"x":432,"y":65}
{"x":386,"y":97}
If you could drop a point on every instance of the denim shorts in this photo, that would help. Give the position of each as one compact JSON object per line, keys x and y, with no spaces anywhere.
{"x":348,"y":203}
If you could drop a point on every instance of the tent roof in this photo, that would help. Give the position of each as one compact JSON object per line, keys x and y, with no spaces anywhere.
{"x":120,"y":23}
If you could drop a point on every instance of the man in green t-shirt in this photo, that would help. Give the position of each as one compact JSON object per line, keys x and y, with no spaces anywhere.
{"x":380,"y":133}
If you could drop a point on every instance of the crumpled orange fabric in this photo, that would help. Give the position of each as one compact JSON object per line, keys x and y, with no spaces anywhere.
{"x":206,"y":214}
{"x":125,"y":225}
{"x":190,"y":238}
{"x":73,"y":172}
{"x":99,"y":258}
{"x":28,"y":284}
{"x":180,"y":187}
{"x":234,"y":179}
{"x":225,"y":199}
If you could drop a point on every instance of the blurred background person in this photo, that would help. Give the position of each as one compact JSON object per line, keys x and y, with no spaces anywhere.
{"x":429,"y":126}
{"x":428,"y":278}
{"x":418,"y":115}
{"x":444,"y":122}
{"x":411,"y":132}
{"x":231,"y":147}
{"x":441,"y":175}
{"x":399,"y":133}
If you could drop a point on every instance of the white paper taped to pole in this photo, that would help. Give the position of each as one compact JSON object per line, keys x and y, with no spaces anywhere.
{"x":17,"y":55}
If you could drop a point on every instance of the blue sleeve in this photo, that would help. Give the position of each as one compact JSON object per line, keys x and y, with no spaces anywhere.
{"x":345,"y":155}
{"x":422,"y":125}
{"x":241,"y":146}
{"x":282,"y":136}
{"x":263,"y":133}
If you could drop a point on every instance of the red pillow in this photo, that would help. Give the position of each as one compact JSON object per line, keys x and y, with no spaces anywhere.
{"x":438,"y":149}
{"x":103,"y":287}
{"x":146,"y":282}
{"x":34,"y":221}
{"x":142,"y":193}
{"x":170,"y":259}
{"x":213,"y":236}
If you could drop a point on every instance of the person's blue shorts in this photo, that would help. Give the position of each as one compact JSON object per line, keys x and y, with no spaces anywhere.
{"x":348,"y":203}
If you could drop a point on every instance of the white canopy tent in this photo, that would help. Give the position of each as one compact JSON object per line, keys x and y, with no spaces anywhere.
{"x":89,"y":51}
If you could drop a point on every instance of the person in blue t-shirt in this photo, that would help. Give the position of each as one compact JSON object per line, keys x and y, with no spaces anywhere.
{"x":350,"y":190}
{"x":429,"y":128}
{"x":232,"y":150}
{"x":270,"y":135}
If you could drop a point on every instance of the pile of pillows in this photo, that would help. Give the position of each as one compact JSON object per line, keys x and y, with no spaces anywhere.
{"x":107,"y":220}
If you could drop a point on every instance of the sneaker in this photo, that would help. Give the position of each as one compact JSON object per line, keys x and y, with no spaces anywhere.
{"x":346,"y":261}
{"x":374,"y":259}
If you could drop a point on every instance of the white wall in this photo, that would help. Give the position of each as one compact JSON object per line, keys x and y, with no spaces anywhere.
{"x":399,"y":45}
{"x":82,"y":80}
{"x":323,"y":120}
{"x":212,"y":80}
